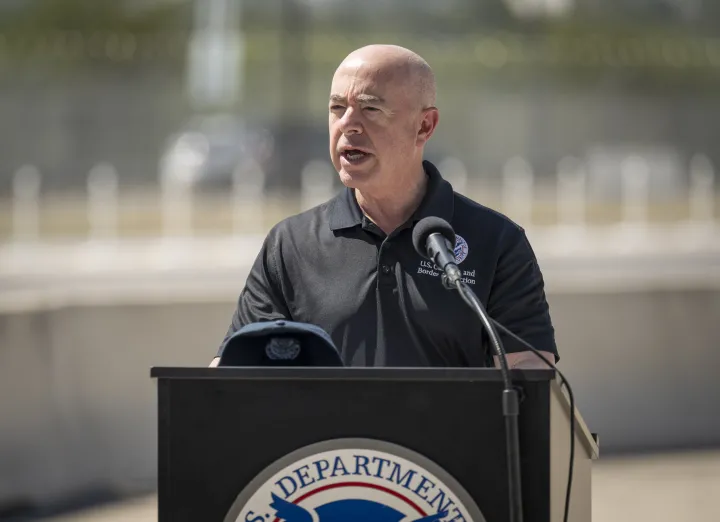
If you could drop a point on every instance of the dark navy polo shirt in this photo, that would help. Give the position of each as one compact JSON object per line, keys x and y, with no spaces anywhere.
{"x":380,"y":301}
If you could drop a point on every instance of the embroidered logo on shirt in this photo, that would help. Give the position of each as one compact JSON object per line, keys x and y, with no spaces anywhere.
{"x":461,"y":249}
{"x":461,"y":252}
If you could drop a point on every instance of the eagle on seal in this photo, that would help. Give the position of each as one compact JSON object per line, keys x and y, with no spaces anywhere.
{"x":345,"y":510}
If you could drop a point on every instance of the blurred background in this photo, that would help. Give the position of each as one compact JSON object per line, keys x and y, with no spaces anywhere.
{"x":147,"y":146}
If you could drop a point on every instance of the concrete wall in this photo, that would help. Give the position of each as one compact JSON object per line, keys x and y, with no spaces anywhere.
{"x":78,"y":407}
{"x":77,"y":403}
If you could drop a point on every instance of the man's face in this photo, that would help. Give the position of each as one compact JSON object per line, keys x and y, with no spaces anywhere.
{"x":374,"y":126}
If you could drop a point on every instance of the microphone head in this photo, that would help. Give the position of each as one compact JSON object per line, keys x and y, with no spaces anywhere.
{"x":426,"y":227}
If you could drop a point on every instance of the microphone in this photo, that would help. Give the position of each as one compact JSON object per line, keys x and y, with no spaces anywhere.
{"x":434,"y":239}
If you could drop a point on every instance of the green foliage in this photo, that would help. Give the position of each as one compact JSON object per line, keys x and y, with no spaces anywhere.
{"x":92,"y":15}
{"x":479,"y":44}
{"x":66,"y":35}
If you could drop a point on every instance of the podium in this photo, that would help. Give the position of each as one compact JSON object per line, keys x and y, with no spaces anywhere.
{"x":354,"y":444}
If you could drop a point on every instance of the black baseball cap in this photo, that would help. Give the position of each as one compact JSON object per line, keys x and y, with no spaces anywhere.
{"x":280,"y":343}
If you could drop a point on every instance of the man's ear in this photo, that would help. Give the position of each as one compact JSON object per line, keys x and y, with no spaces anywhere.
{"x":428,"y":124}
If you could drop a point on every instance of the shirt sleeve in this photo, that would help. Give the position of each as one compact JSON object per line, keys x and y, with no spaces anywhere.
{"x":262,"y":297}
{"x":517,"y":297}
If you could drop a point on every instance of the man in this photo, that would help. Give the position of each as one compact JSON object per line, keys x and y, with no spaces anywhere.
{"x":349,"y":266}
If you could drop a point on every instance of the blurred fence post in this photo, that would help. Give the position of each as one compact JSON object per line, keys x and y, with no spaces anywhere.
{"x":318,"y":178}
{"x":517,"y":191}
{"x":454,"y":171}
{"x":635,"y":174}
{"x":571,"y":197}
{"x":176,"y":197}
{"x":248,"y":197}
{"x":102,"y":188}
{"x":26,"y":203}
{"x":702,"y":190}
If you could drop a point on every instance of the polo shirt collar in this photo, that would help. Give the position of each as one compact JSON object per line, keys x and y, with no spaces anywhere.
{"x":438,"y":201}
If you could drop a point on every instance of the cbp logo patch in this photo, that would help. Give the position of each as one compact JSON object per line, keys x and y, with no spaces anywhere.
{"x":461,"y":249}
{"x":354,"y":480}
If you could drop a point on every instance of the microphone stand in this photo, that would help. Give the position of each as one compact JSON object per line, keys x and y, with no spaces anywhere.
{"x":510,"y":403}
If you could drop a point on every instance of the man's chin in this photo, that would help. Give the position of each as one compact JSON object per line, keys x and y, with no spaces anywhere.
{"x":355,"y":177}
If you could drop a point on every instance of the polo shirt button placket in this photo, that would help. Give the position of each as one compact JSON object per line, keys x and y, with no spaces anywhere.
{"x":386,"y":278}
{"x":384,"y":267}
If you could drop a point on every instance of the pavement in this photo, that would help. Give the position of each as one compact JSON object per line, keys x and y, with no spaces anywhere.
{"x":680,"y":487}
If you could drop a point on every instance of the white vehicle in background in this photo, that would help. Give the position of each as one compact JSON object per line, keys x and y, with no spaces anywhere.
{"x":210,"y":149}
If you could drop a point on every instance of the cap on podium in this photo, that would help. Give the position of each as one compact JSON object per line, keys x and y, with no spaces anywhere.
{"x":280,"y":343}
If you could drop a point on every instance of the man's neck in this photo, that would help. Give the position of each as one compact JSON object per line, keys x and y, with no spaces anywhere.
{"x":393,"y":208}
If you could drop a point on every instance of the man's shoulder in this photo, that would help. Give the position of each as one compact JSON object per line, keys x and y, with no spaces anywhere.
{"x":483,"y":218}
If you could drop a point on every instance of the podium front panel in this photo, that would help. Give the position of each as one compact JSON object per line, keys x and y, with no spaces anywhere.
{"x":219,"y":431}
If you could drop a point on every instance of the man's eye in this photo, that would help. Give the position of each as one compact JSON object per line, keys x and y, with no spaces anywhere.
{"x":336,"y":107}
{"x":371,"y":109}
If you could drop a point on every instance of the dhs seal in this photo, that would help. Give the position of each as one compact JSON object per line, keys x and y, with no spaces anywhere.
{"x":461,"y":249}
{"x":354,"y":480}
{"x":282,"y":348}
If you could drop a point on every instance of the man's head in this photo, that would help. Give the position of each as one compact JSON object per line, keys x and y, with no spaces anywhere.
{"x":382,"y":112}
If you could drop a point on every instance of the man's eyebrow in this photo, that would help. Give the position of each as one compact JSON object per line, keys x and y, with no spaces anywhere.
{"x":369,"y":98}
{"x":361,"y":98}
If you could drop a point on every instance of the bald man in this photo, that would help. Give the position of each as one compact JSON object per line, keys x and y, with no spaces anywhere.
{"x":349,"y":266}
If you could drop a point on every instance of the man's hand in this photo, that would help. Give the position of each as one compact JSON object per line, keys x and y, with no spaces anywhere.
{"x":526,"y":360}
{"x":214,"y":363}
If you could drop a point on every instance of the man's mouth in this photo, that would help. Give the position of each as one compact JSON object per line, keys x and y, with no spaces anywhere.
{"x":354,"y":155}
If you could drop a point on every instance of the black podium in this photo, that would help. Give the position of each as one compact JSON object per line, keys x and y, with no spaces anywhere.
{"x":352,"y":444}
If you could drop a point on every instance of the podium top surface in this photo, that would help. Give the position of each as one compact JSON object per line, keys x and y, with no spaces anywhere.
{"x":429,"y":374}
{"x":377,"y":374}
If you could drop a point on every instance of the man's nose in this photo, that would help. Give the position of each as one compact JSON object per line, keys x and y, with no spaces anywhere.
{"x":350,"y":122}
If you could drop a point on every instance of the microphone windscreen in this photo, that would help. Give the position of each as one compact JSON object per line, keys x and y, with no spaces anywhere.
{"x":427,"y":226}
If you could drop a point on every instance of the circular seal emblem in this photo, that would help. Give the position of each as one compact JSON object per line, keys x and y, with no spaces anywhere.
{"x":282,"y":348}
{"x":461,"y":249}
{"x":354,"y":480}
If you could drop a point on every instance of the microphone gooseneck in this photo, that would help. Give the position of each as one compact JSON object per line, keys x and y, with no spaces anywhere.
{"x":434,"y":239}
{"x":510,"y":404}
